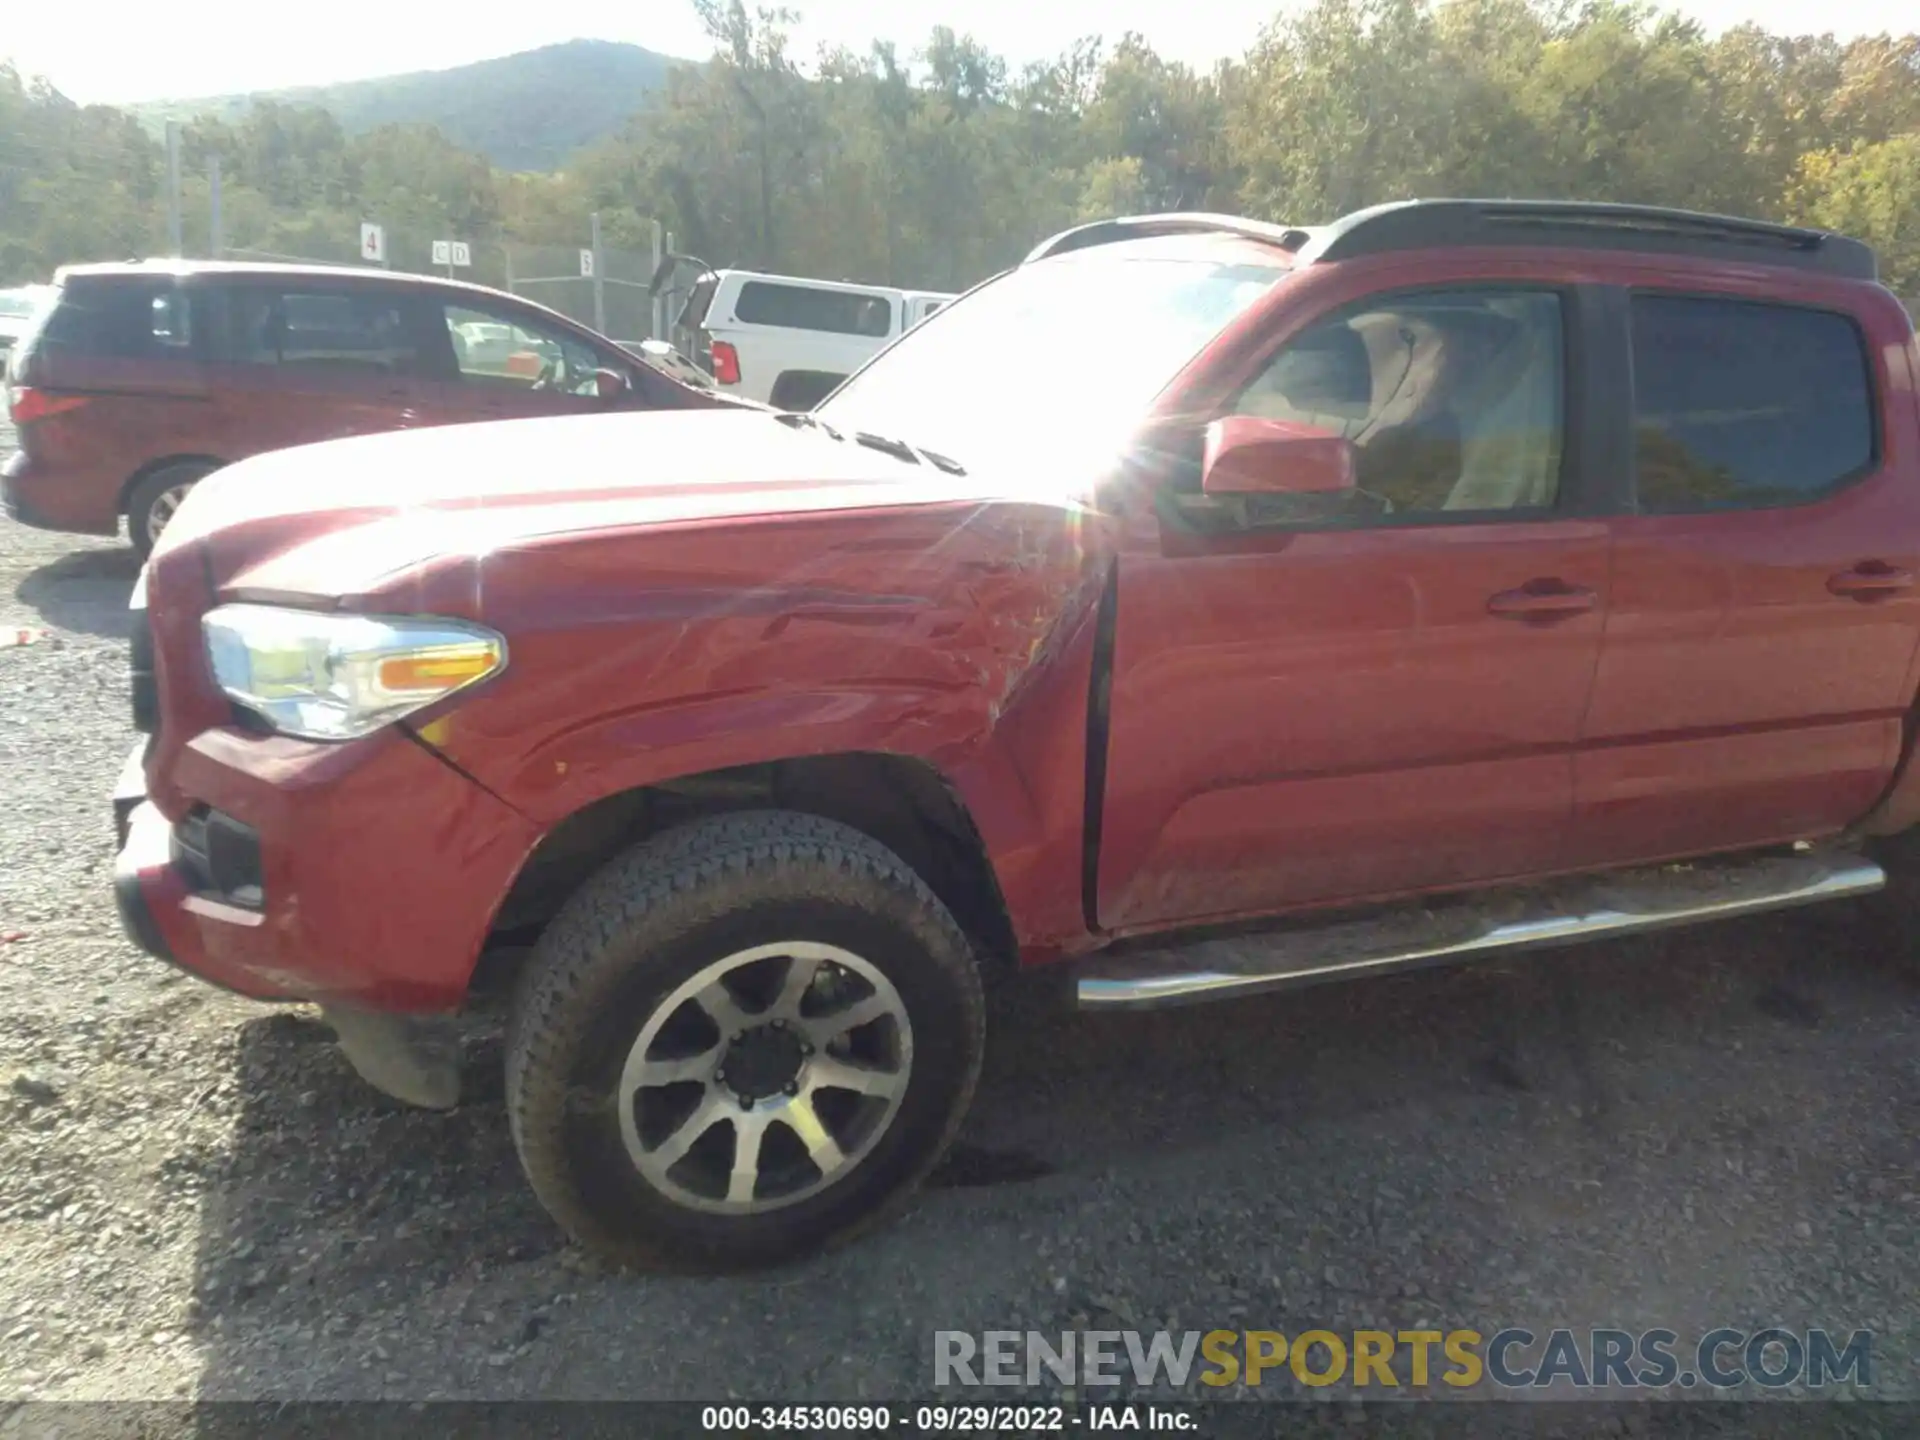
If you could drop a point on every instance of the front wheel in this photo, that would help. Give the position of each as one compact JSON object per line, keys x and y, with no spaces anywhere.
{"x":741,"y":1041}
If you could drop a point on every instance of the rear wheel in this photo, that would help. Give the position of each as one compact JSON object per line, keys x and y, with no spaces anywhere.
{"x":741,"y":1041}
{"x":152,"y":503}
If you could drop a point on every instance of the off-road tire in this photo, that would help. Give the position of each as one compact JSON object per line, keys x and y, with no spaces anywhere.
{"x":654,"y":916}
{"x":145,"y":495}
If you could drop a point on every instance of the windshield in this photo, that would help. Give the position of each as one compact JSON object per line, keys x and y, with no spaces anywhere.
{"x":1053,"y":363}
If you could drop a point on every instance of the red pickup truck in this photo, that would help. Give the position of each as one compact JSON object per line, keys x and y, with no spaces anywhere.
{"x":1308,"y":603}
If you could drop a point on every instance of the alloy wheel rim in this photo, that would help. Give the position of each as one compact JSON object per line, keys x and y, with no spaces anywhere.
{"x":765,"y":1078}
{"x":163,"y":508}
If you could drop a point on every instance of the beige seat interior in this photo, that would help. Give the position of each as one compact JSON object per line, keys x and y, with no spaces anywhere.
{"x":1499,"y":388}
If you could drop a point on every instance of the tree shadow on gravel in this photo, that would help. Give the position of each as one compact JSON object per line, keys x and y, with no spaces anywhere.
{"x":1514,"y":1144}
{"x":85,"y":592}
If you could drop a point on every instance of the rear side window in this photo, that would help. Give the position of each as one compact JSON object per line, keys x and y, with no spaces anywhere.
{"x":1739,"y":405}
{"x":796,"y":307}
{"x":122,"y":320}
{"x":319,"y":331}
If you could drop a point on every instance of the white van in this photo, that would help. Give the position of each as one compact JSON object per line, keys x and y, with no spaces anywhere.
{"x":787,"y":340}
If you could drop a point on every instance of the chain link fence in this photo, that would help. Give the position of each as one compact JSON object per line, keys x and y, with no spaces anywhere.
{"x":550,"y":275}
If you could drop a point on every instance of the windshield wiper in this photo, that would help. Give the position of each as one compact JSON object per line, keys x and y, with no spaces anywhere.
{"x":797,"y":419}
{"x":886,"y":444}
{"x":912,"y":454}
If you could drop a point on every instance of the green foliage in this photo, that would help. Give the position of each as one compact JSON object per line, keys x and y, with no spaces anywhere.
{"x":1872,"y":191}
{"x":74,"y":181}
{"x":936,"y":169}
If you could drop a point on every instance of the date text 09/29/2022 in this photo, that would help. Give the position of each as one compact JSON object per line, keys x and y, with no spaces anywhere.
{"x":942,"y":1419}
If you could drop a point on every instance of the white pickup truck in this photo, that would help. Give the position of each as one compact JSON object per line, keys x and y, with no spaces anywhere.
{"x":789,"y":341}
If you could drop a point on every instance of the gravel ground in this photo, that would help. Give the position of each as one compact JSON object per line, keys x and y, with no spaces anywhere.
{"x":197,"y":1198}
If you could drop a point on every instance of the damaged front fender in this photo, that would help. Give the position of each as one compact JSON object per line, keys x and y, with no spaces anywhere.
{"x":956,"y":634}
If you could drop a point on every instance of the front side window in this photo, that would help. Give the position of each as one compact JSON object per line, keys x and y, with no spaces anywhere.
{"x":801,"y":307}
{"x":1453,"y":401}
{"x":1743,"y":405}
{"x":502,"y":351}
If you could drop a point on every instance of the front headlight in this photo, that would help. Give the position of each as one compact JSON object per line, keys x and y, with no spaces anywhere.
{"x":333,"y":677}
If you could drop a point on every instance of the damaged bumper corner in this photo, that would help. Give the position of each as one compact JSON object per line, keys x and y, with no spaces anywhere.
{"x":292,"y":876}
{"x":413,"y":1058}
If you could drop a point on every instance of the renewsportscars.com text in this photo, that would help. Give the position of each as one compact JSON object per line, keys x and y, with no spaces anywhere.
{"x":1509,"y":1359}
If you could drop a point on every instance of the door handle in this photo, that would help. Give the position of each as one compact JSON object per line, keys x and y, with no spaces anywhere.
{"x":1870,"y":580}
{"x":1543,"y":600}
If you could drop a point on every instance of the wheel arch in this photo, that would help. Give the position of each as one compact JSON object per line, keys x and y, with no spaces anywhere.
{"x":901,"y":801}
{"x":154,"y":467}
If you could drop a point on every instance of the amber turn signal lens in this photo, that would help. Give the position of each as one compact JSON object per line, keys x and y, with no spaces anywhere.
{"x":435,"y":670}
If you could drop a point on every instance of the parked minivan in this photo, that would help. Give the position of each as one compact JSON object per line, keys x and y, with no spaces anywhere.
{"x":787,"y":340}
{"x":135,"y":380}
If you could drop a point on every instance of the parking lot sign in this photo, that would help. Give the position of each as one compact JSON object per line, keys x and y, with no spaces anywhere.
{"x":373,"y":243}
{"x":443,"y":252}
{"x":586,"y":264}
{"x":460,"y":253}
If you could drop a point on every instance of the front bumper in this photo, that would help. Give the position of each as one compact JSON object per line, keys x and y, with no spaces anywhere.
{"x":142,"y":869}
{"x":381,"y":868}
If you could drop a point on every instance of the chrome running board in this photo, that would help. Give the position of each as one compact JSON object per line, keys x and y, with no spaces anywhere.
{"x":1589,"y":907}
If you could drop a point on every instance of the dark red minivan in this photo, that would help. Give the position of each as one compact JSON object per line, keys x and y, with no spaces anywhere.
{"x":134,"y":380}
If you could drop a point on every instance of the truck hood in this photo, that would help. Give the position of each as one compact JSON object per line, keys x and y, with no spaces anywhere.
{"x":345,"y":518}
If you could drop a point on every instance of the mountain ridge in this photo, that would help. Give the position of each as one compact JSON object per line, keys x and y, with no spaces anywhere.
{"x":525,"y":111}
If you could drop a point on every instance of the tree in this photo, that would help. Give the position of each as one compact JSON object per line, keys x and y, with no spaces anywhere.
{"x":1872,"y":192}
{"x":936,"y":168}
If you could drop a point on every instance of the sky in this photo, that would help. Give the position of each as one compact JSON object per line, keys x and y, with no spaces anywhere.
{"x":138,"y":50}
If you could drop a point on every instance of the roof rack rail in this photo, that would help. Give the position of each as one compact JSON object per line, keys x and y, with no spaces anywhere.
{"x":1417,"y":224}
{"x":1576,"y":224}
{"x":1183,"y":222}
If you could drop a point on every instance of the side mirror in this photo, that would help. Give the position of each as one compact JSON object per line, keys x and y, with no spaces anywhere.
{"x":610,"y":384}
{"x":1249,"y":455}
